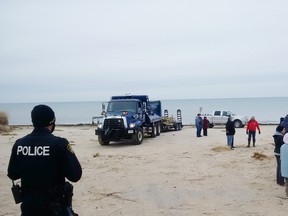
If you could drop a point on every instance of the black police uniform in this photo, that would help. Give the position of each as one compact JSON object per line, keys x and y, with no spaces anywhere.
{"x":42,"y":161}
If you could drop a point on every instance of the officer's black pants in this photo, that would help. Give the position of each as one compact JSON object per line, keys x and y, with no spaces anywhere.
{"x":53,"y":209}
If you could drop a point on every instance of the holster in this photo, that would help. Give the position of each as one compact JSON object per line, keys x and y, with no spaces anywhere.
{"x":63,"y":203}
{"x":68,"y":194}
{"x":17,"y":192}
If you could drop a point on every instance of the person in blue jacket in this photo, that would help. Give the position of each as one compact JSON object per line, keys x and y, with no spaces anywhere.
{"x":198,"y":124}
{"x":284,"y":161}
{"x":43,"y":162}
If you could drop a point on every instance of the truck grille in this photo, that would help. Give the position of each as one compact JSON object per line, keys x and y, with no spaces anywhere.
{"x":114,"y":124}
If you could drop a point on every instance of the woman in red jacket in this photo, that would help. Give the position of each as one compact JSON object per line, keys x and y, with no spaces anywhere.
{"x":251,"y":130}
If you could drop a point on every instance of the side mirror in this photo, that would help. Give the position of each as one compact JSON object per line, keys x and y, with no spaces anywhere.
{"x":139,"y":110}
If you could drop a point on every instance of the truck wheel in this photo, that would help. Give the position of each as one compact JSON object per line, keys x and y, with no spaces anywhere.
{"x":102,"y":141}
{"x":138,"y":137}
{"x":158,"y":128}
{"x":175,"y":127}
{"x":237,"y":123}
{"x":154,"y":130}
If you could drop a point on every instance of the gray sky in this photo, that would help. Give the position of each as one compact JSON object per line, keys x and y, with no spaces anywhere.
{"x":87,"y":50}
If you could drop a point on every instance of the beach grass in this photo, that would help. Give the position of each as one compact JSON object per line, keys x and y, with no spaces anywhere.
{"x":4,"y":122}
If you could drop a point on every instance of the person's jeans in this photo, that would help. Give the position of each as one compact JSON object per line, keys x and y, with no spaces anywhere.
{"x":279,"y":178}
{"x":252,"y":134}
{"x":230,"y":140}
{"x":286,"y":186}
{"x":205,"y":131}
{"x":198,"y":131}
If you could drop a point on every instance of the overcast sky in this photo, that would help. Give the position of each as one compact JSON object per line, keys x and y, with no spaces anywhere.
{"x":87,"y":50}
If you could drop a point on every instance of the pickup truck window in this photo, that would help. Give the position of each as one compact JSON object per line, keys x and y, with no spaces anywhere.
{"x":217,"y":113}
{"x":225,"y":113}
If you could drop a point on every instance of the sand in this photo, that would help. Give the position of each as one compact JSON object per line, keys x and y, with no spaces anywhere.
{"x":173,"y":174}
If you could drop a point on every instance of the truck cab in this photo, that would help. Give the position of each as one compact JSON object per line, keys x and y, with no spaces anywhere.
{"x":129,"y":117}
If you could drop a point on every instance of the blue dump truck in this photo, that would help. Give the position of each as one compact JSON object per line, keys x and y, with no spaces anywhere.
{"x":129,"y":117}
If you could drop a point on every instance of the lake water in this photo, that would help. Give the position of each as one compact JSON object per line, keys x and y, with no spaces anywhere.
{"x":266,"y":110}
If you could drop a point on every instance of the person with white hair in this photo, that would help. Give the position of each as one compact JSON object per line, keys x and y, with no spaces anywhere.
{"x":251,"y":130}
{"x":284,"y":161}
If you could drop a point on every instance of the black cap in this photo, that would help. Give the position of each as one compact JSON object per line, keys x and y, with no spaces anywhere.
{"x":42,"y":116}
{"x":279,"y":128}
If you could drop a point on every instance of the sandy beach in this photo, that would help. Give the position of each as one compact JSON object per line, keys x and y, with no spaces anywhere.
{"x":173,"y":174}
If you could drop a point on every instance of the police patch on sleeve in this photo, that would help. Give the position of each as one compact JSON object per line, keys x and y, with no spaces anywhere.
{"x":69,"y":147}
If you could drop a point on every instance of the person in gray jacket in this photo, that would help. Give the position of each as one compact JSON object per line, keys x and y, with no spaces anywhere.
{"x":284,"y":161}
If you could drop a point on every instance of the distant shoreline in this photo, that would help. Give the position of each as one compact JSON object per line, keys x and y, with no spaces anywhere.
{"x":86,"y":124}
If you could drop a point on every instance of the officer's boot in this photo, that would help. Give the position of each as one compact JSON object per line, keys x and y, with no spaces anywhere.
{"x":248,"y":144}
{"x":253,"y":144}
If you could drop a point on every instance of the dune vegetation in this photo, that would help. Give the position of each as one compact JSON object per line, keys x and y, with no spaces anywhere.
{"x":4,"y":123}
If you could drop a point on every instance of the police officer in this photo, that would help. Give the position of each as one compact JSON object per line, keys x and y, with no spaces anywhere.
{"x":42,"y":161}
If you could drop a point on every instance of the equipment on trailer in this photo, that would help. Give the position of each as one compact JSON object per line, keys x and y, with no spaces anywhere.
{"x":170,"y":123}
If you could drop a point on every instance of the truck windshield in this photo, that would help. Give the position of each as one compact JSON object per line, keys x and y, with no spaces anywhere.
{"x":121,"y":106}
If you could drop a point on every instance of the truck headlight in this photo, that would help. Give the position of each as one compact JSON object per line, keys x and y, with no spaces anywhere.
{"x":99,"y":126}
{"x":131,"y":125}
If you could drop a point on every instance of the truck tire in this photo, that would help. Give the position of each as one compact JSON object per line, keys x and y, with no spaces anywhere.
{"x":102,"y":141}
{"x":158,"y":128}
{"x":237,"y":123}
{"x":175,"y":125}
{"x":137,"y":138}
{"x":154,"y":130}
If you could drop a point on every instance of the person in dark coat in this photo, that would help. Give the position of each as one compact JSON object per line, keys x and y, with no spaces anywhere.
{"x":278,"y":141}
{"x":205,"y":126}
{"x":285,"y":123}
{"x":43,"y":162}
{"x":230,"y":132}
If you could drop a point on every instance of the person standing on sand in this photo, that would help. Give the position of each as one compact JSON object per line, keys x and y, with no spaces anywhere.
{"x":285,"y":123}
{"x":230,"y":132}
{"x":284,"y":161}
{"x":205,"y":126}
{"x":43,"y":162}
{"x":252,"y":125}
{"x":198,"y":124}
{"x":278,"y":141}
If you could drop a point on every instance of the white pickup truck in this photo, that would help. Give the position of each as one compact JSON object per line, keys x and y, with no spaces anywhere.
{"x":220,"y":117}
